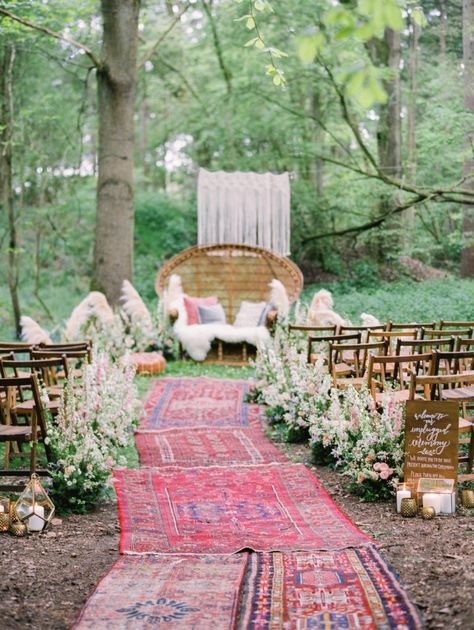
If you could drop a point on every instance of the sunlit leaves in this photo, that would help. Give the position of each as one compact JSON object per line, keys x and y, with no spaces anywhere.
{"x":309,"y":46}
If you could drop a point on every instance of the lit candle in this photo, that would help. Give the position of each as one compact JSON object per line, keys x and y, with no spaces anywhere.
{"x":403,"y":493}
{"x":433,"y":500}
{"x":448,"y":503}
{"x":35,"y":523}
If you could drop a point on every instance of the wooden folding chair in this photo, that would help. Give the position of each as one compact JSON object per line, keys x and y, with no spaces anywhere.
{"x":443,"y":334}
{"x":324,"y":339}
{"x":46,"y":370}
{"x":394,"y":326}
{"x":77,"y":357}
{"x":455,"y":324}
{"x":392,"y":337}
{"x":456,"y":362}
{"x":330,"y":330}
{"x":19,"y":434}
{"x":411,"y":346}
{"x":451,"y":387}
{"x":464,"y":345}
{"x":345,"y":373}
{"x":385,"y":372}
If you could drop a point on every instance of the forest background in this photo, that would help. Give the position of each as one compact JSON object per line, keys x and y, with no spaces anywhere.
{"x":375,"y":130}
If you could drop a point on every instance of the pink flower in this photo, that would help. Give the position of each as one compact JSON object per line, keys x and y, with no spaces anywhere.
{"x":385,"y":473}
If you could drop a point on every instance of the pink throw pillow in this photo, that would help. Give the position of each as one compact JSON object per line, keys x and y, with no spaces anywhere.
{"x":191,"y":305}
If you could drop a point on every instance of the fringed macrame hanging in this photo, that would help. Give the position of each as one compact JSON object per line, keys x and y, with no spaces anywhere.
{"x":244,"y":208}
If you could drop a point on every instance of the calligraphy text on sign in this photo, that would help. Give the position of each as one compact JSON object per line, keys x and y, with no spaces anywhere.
{"x":431,"y":440}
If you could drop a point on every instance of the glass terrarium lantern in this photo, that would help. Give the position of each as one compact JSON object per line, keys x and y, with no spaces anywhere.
{"x":34,"y":507}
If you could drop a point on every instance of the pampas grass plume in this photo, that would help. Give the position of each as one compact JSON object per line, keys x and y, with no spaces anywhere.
{"x":31,"y":331}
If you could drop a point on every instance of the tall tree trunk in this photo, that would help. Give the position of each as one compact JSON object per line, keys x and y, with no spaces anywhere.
{"x":319,"y":139}
{"x":443,"y":22}
{"x":6,"y":179}
{"x":389,"y":128}
{"x":116,"y":81}
{"x":409,"y":216}
{"x":467,"y":257}
{"x":386,"y":53}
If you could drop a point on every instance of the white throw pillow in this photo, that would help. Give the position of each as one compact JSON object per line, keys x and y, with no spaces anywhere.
{"x":249,"y":314}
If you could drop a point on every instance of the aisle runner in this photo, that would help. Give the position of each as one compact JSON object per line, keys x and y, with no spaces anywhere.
{"x":176,"y":592}
{"x":175,"y":515}
{"x":353,"y":588}
{"x":206,"y":446}
{"x":191,"y":402}
{"x":221,"y":510}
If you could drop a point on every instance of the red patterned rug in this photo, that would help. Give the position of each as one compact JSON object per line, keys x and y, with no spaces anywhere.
{"x":350,"y":589}
{"x":221,"y":510}
{"x":206,"y":446}
{"x":192,"y":402}
{"x":176,"y":592}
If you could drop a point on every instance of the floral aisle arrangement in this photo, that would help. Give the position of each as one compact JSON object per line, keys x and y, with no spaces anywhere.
{"x":122,"y":334}
{"x":364,"y":442}
{"x":344,"y":427}
{"x":292,"y":389}
{"x":95,"y":423}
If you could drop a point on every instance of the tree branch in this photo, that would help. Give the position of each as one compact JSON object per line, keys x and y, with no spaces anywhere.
{"x":226,"y":73}
{"x":370,"y":224}
{"x":44,"y":29}
{"x":176,"y":70}
{"x":162,"y":37}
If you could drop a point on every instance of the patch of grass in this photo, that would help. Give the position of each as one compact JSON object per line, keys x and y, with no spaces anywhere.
{"x":404,"y":301}
{"x":193,"y":368}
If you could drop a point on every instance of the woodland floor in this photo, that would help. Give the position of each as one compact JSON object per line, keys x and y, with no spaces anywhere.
{"x":47,"y":578}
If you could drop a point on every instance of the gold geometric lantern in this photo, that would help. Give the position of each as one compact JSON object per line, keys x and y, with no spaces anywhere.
{"x":34,"y":507}
{"x":4,"y":514}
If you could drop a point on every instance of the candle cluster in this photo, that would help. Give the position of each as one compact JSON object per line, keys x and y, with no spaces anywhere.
{"x":441,"y":502}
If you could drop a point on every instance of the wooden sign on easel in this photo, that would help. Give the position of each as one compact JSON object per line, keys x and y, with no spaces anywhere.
{"x":431,"y":441}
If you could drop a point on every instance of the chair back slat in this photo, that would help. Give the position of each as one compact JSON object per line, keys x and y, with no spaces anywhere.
{"x":393,"y":326}
{"x":455,"y":324}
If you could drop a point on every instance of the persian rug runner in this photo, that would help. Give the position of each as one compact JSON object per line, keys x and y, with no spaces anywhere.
{"x":179,"y":593}
{"x":222,"y":510}
{"x":350,"y":589}
{"x":192,"y":402}
{"x":206,"y":446}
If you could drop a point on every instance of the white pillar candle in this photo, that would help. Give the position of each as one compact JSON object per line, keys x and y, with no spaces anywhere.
{"x":430,"y":499}
{"x":402,"y":494}
{"x":2,"y":509}
{"x":448,"y":503}
{"x":35,"y":523}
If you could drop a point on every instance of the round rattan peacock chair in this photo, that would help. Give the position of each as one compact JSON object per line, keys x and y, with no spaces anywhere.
{"x":231,"y":272}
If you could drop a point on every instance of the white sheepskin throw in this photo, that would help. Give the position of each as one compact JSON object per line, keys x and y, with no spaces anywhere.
{"x":196,"y":339}
{"x":31,"y":331}
{"x":172,"y":293}
{"x":279,"y":297}
{"x":321,"y":312}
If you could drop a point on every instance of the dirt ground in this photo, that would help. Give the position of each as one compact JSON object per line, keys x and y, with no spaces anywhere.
{"x":46,"y":578}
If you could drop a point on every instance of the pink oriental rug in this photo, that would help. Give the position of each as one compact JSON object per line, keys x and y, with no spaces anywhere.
{"x":206,"y":447}
{"x":179,"y":593}
{"x":352,"y":589}
{"x":222,"y":510}
{"x":192,"y":402}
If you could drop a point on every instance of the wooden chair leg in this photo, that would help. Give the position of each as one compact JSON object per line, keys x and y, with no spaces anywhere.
{"x":7,"y":454}
{"x":470,"y":460}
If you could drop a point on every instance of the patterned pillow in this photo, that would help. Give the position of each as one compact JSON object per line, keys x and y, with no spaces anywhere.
{"x":211,"y":314}
{"x":192,"y":304}
{"x":249,"y":314}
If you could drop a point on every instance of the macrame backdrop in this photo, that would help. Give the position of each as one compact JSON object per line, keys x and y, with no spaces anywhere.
{"x":244,"y":208}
